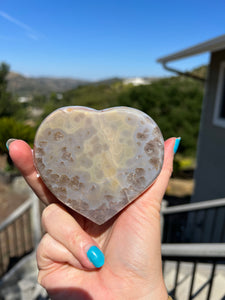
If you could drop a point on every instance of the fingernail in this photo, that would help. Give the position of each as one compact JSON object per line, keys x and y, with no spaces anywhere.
{"x":9,"y":142}
{"x":96,"y":256}
{"x":176,"y":145}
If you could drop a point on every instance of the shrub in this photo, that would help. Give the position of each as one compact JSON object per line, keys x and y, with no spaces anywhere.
{"x":11,"y":128}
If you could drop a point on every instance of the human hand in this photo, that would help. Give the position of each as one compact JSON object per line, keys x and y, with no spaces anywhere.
{"x":130,"y":242}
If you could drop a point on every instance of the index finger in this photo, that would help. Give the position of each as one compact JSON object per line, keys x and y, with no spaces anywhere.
{"x":22,"y":156}
{"x":156,"y":192}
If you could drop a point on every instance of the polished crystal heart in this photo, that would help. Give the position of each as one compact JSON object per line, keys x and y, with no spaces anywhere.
{"x":97,"y":162}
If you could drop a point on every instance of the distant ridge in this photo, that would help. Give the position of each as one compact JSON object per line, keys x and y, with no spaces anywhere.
{"x":21,"y":85}
{"x":26,"y":86}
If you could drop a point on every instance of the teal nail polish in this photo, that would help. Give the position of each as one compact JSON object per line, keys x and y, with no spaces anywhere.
{"x":176,"y":145}
{"x":96,"y":256}
{"x":9,"y":142}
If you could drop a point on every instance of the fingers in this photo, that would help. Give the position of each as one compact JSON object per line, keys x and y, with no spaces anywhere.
{"x":64,"y":229}
{"x":157,"y":190}
{"x":22,"y":156}
{"x":160,"y":185}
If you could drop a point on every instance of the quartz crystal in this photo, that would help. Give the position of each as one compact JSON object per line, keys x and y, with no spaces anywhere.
{"x":97,"y":162}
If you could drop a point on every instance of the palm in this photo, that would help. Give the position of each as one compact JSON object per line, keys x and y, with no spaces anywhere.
{"x":130,"y":242}
{"x":122,"y":256}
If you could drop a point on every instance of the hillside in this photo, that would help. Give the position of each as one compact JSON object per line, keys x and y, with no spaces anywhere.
{"x":26,"y":86}
{"x":174,"y":102}
{"x":200,"y":71}
{"x":29,"y":86}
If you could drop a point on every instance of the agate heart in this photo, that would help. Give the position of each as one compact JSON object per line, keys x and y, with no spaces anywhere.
{"x":97,"y":162}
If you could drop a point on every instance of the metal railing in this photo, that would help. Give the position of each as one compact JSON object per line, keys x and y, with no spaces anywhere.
{"x":20,"y":233}
{"x":209,"y":256}
{"x":195,"y":222}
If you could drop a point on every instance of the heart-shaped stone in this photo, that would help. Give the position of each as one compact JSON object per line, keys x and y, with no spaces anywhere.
{"x":97,"y":162}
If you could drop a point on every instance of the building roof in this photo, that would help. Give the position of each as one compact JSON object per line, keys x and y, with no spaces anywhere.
{"x":207,"y":46}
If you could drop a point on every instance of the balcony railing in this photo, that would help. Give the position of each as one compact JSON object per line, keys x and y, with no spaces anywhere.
{"x":201,"y":222}
{"x":20,"y":233}
{"x":195,"y":222}
{"x":207,"y":257}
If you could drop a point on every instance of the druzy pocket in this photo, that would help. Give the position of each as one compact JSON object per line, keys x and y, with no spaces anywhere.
{"x":97,"y":162}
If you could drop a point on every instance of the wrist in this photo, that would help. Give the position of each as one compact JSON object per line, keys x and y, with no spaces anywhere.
{"x":159,"y":294}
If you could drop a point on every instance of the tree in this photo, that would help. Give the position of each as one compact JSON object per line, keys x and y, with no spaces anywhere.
{"x":11,"y":114}
{"x":11,"y":128}
{"x":5,"y":96}
{"x":9,"y":106}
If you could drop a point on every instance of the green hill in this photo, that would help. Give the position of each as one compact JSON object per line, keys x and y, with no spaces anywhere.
{"x":174,"y":103}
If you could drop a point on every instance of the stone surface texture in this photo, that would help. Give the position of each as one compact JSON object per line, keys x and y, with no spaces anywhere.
{"x":97,"y":162}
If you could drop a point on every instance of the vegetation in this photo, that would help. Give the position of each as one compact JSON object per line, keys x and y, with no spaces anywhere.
{"x":174,"y":103}
{"x":7,"y":104}
{"x":12,"y":115}
{"x":11,"y":128}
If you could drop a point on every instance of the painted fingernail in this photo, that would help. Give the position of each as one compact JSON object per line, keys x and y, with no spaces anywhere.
{"x":176,"y":145}
{"x":96,"y":256}
{"x":9,"y":142}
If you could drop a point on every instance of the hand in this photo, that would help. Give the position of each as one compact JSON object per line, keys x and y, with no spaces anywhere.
{"x":130,"y":242}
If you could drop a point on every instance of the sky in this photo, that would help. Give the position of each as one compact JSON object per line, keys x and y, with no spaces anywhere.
{"x":95,"y":39}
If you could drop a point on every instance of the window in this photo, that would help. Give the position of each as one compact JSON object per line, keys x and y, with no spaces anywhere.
{"x":219,"y":113}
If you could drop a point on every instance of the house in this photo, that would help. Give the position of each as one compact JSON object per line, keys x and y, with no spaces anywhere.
{"x":24,"y":99}
{"x":210,"y":171}
{"x":137,"y":81}
{"x":209,"y":175}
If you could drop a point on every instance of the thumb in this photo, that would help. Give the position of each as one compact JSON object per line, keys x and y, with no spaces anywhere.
{"x":65,"y":231}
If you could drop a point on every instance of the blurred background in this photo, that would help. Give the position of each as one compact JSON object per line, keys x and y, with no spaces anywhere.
{"x":102,"y":54}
